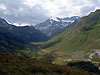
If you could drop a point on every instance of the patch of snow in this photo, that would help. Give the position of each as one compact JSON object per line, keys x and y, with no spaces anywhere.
{"x":55,"y":19}
{"x":70,"y":21}
{"x":77,"y":17}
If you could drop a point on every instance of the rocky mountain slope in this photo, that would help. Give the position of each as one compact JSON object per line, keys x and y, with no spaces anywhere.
{"x":54,"y":26}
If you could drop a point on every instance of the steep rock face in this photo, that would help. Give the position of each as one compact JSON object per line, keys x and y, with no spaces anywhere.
{"x":54,"y":26}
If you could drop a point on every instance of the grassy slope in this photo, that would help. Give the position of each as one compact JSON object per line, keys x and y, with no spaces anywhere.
{"x":18,"y":65}
{"x":79,"y":39}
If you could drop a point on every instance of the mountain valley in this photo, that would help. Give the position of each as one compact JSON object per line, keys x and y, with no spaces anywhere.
{"x":57,"y":46}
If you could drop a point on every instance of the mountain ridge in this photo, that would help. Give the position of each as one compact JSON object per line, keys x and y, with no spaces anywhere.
{"x":13,"y":38}
{"x":53,"y":26}
{"x":79,"y":41}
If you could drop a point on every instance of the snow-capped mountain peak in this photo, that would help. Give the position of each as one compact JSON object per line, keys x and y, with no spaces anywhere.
{"x":54,"y":19}
{"x":54,"y":25}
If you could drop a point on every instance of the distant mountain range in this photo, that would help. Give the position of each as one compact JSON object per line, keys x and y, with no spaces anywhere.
{"x":12,"y":37}
{"x":54,"y":26}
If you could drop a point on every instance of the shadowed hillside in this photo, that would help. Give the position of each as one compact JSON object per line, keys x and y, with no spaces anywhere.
{"x":14,"y":38}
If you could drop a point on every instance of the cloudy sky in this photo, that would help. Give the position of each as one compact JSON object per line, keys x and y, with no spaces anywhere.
{"x":25,"y":12}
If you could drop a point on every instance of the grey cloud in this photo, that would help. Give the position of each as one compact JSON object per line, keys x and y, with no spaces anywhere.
{"x":86,"y":10}
{"x":87,"y":6}
{"x":18,"y":12}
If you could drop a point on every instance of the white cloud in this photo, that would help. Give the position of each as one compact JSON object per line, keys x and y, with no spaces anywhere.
{"x":64,"y":8}
{"x":35,"y":11}
{"x":2,"y":7}
{"x":30,"y":2}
